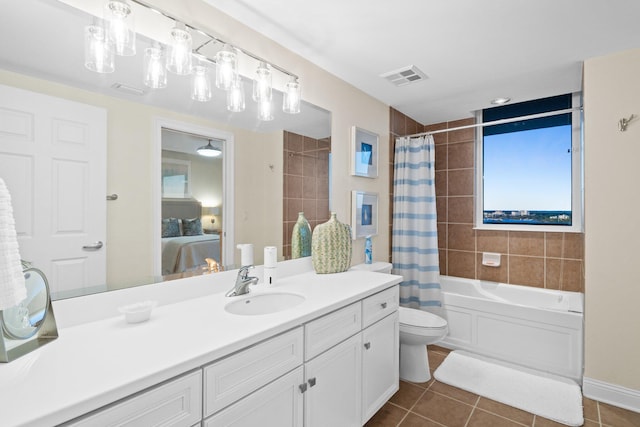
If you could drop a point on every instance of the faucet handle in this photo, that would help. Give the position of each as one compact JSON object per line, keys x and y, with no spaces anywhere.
{"x":243,"y":273}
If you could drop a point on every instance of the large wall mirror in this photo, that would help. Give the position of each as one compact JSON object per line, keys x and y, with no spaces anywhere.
{"x":148,"y":134}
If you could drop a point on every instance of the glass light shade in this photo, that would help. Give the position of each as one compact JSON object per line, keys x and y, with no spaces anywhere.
{"x":291,"y":99}
{"x":98,"y":53}
{"x":209,"y":150}
{"x":179,"y":55}
{"x":262,"y":86}
{"x":235,"y":96}
{"x":155,"y":73}
{"x":200,"y":84}
{"x":265,"y":111}
{"x":120,"y":29}
{"x":226,"y":68}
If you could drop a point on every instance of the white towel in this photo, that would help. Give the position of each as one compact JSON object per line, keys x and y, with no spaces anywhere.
{"x":12,"y":287}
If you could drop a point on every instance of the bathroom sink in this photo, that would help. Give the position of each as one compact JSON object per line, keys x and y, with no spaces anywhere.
{"x":264,"y":303}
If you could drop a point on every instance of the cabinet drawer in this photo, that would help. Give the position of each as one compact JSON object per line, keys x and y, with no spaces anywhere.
{"x":379,"y":305}
{"x":176,"y":403}
{"x":236,"y":376}
{"x":327,"y":331}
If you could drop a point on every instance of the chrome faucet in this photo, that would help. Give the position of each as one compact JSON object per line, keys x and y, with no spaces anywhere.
{"x":243,"y":280}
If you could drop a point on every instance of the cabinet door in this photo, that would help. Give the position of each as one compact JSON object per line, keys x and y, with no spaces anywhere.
{"x":380,"y":368}
{"x":333,"y":396}
{"x":177,"y":403}
{"x":278,"y":404}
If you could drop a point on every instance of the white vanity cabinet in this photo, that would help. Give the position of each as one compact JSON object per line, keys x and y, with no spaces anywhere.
{"x":335,"y":370}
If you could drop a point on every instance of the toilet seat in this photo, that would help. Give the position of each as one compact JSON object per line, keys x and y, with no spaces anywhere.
{"x":420,"y":319}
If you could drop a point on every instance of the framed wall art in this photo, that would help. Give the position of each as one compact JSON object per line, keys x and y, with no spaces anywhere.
{"x":364,"y":214}
{"x":364,"y":153}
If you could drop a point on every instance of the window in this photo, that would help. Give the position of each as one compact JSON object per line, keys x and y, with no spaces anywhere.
{"x":529,"y":174}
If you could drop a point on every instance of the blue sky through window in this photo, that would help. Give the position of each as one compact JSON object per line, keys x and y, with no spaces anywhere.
{"x":528,"y":170}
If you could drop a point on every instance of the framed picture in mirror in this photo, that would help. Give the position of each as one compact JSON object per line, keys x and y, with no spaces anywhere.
{"x":364,"y":153}
{"x":176,"y":178}
{"x":364,"y":214}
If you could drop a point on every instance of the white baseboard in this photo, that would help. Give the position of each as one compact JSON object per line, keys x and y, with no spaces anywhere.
{"x":613,"y":394}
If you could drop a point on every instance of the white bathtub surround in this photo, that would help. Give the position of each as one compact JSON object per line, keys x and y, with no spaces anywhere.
{"x":549,"y":396}
{"x":102,"y":358}
{"x":415,"y":229}
{"x":537,"y":328}
{"x":12,"y":287}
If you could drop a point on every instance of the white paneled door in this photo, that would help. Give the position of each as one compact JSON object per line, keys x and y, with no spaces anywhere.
{"x":53,"y":160}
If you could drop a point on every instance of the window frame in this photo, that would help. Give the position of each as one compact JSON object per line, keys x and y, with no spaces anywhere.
{"x":577,"y":180}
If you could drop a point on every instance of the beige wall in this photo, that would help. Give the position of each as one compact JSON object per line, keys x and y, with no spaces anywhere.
{"x":612,"y":229}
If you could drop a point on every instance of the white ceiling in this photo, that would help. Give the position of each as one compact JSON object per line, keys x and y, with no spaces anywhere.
{"x":472,"y":51}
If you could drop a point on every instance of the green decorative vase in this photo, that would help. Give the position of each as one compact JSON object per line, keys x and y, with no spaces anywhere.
{"x":332,"y":246}
{"x":301,"y":238}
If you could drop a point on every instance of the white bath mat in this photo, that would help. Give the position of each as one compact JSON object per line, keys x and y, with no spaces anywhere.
{"x":547,"y":395}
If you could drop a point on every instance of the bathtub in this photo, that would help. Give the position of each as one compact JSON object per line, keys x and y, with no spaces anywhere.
{"x":537,"y":328}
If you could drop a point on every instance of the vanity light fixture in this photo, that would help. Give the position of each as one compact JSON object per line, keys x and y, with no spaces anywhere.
{"x":265,"y":111}
{"x":291,"y":98}
{"x":120,"y":29}
{"x":179,"y":55}
{"x":262,"y":86}
{"x":209,"y":150}
{"x":155,"y":73}
{"x":98,"y":52}
{"x":115,"y":34}
{"x":226,"y":67}
{"x":235,"y":96}
{"x":200,"y":84}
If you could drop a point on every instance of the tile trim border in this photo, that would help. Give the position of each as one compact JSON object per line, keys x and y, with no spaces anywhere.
{"x":613,"y":394}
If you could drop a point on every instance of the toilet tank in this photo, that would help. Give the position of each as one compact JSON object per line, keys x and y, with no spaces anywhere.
{"x":378,"y":267}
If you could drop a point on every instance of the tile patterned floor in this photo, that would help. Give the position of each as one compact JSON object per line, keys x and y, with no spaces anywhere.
{"x":435,"y":404}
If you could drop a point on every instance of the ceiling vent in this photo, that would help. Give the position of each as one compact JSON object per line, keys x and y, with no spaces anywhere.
{"x":128,"y":89}
{"x":404,"y":76}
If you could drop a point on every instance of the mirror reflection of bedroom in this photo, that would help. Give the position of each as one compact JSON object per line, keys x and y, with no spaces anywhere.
{"x":192,"y":196}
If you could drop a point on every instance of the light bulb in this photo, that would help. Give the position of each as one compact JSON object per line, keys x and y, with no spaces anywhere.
{"x":265,"y":111}
{"x":119,"y":24}
{"x":235,"y":96}
{"x":291,"y":99}
{"x":200,"y":84}
{"x":262,"y":88}
{"x":226,"y":68}
{"x":179,"y":56}
{"x":155,"y":74}
{"x":98,"y":53}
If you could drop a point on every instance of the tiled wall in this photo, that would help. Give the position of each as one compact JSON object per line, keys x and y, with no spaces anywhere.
{"x":306,"y":183}
{"x":546,"y":260}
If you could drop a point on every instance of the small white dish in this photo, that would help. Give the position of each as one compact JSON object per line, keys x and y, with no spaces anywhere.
{"x":138,"y":312}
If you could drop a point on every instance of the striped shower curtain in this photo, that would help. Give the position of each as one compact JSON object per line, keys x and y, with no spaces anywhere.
{"x":415,"y":238}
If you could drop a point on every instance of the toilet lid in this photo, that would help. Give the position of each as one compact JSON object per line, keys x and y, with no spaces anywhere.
{"x":423,"y":319}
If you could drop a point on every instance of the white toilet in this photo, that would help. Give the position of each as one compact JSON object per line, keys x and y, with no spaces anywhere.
{"x":417,"y":329}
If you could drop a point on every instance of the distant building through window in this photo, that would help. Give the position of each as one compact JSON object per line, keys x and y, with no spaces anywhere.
{"x":529,"y":174}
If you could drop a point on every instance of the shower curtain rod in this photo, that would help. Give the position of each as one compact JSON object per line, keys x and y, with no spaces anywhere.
{"x":497,"y":122}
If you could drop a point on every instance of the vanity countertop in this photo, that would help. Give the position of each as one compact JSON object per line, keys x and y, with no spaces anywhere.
{"x":95,"y":363}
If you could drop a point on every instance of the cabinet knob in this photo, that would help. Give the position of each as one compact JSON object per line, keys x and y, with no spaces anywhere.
{"x":367,"y":345}
{"x":383,"y":305}
{"x":312,"y":381}
{"x":303,"y":387}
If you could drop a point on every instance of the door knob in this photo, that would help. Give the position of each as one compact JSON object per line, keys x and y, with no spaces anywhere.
{"x":97,"y":245}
